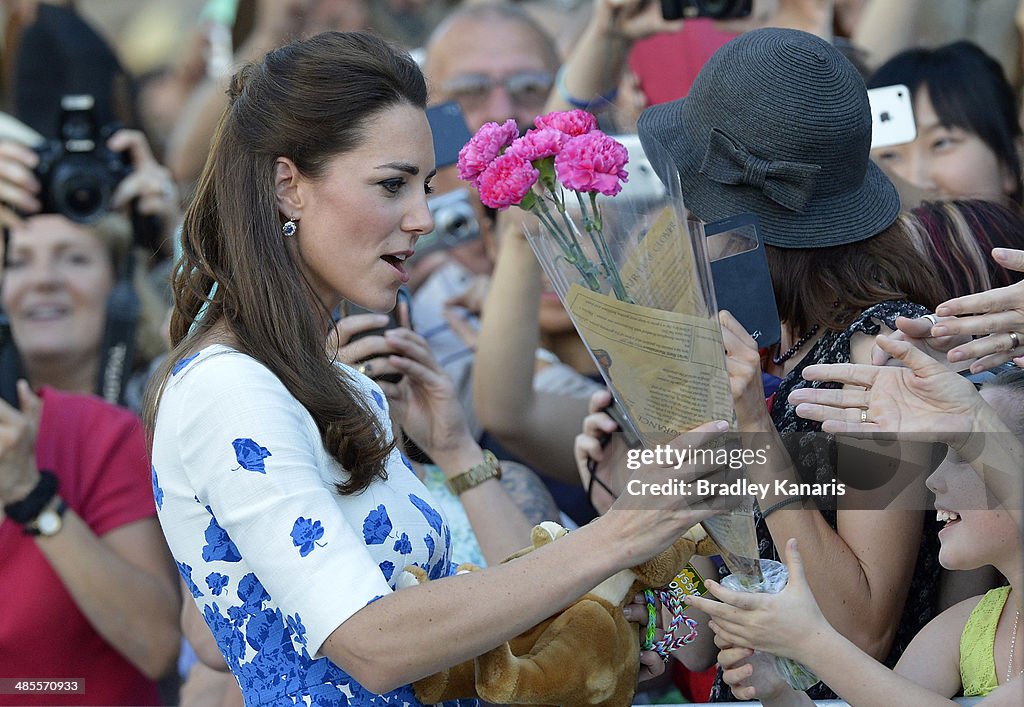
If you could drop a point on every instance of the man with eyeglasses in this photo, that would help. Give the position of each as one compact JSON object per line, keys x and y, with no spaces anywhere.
{"x":495,"y":61}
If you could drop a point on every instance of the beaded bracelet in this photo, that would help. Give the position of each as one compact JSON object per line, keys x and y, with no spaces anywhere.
{"x":563,"y":92}
{"x":652,"y":620}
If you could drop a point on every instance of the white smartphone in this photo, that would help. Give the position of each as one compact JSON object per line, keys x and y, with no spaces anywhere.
{"x":892,"y":116}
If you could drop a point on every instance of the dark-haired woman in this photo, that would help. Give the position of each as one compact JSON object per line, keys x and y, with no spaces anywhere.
{"x":968,"y":134}
{"x":285,"y":503}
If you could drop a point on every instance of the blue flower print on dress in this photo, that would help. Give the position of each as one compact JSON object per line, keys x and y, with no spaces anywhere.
{"x":428,"y":540}
{"x":378,"y":398}
{"x":408,"y":464}
{"x":158,"y":493}
{"x":218,"y":545}
{"x":305,"y":534}
{"x":229,"y":639}
{"x":216,"y":582}
{"x":387,"y":568}
{"x":186,"y":574}
{"x":377,"y":526}
{"x":250,"y":455}
{"x":182,"y":363}
{"x":432,"y":516}
{"x":402,"y":545}
{"x":252,"y":593}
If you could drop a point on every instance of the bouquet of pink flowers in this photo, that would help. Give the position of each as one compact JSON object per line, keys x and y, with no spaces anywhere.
{"x":565,"y":151}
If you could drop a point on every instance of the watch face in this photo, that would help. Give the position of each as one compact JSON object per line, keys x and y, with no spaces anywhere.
{"x":48,"y":522}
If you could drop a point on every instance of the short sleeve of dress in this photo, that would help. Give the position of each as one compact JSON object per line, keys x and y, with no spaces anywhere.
{"x":255,"y":460}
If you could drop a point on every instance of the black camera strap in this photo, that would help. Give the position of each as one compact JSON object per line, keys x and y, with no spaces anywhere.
{"x":117,"y":354}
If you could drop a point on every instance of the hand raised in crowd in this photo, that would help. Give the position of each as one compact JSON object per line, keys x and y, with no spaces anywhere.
{"x":788,"y":623}
{"x":149,"y":181}
{"x":922,"y":397}
{"x":18,"y":428}
{"x":632,"y":19}
{"x":743,"y":362}
{"x":601,"y":454}
{"x":995,"y":316}
{"x":367,"y":353}
{"x":19,"y":186}
{"x":424,"y":401}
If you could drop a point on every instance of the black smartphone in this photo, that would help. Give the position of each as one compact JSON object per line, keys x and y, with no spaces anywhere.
{"x":743,"y":283}
{"x":404,"y":296}
{"x":713,"y":9}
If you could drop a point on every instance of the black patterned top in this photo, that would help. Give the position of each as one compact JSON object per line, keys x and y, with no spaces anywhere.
{"x":814,"y":456}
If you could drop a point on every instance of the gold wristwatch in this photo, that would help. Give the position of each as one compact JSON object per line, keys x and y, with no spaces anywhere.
{"x":488,"y":468}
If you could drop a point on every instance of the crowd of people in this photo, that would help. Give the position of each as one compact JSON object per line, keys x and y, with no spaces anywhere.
{"x":218,"y":454}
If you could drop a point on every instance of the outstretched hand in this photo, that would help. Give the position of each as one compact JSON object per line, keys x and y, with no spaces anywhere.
{"x":923,"y":398}
{"x":995,"y":317}
{"x":789,"y":623}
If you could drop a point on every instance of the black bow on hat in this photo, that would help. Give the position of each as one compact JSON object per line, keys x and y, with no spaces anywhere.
{"x":788,"y":184}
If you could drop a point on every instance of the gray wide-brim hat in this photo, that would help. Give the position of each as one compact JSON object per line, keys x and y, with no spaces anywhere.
{"x":777,"y":123}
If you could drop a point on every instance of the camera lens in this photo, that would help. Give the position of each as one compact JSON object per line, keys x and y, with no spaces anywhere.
{"x":81,"y":192}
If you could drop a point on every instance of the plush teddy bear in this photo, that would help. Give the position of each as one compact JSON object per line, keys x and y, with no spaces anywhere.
{"x":586,"y":655}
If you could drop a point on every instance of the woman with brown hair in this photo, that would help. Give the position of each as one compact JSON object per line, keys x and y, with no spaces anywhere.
{"x":285,"y":502}
{"x":778,"y":124}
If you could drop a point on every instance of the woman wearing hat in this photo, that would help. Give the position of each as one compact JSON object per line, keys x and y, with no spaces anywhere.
{"x":778,"y":124}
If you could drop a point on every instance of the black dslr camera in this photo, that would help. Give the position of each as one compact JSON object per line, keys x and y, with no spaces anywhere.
{"x":715,"y":9}
{"x":77,"y":172}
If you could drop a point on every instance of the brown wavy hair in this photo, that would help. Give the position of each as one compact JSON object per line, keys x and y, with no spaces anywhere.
{"x":830,"y":287}
{"x":309,"y":101}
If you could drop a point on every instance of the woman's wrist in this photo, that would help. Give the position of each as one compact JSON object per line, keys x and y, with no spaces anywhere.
{"x":455,"y":460}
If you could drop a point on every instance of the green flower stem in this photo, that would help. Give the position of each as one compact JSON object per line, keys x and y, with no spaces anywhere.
{"x":591,"y":274}
{"x":569,"y":245}
{"x":595,"y":226}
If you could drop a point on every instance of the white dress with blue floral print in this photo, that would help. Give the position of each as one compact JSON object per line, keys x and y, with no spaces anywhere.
{"x":275,"y":558}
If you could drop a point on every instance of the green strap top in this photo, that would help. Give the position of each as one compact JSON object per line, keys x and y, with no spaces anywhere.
{"x":977,"y":644}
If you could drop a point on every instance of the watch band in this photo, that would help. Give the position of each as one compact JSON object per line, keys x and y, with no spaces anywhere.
{"x":38,"y":527}
{"x":25,"y":510}
{"x":488,"y":468}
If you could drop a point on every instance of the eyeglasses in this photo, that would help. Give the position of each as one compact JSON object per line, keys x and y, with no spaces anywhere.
{"x":527,"y":89}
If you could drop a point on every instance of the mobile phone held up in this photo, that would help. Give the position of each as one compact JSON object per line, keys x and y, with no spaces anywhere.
{"x":713,"y":9}
{"x":892,"y":116}
{"x":743,"y":283}
{"x":404,"y":297}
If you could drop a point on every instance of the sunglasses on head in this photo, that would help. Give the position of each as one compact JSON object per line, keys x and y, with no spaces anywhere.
{"x":525,"y":88}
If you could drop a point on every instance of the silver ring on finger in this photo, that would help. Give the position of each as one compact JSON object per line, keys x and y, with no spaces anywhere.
{"x":931,"y":318}
{"x":864,"y":417}
{"x":1014,"y":340}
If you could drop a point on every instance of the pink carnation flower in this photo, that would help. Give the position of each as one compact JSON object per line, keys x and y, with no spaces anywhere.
{"x":592,"y":162}
{"x":571,"y":122}
{"x":538,"y":144}
{"x":483,"y":147}
{"x":506,"y":181}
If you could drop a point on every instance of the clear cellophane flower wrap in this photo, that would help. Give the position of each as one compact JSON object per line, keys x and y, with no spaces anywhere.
{"x":632,"y":271}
